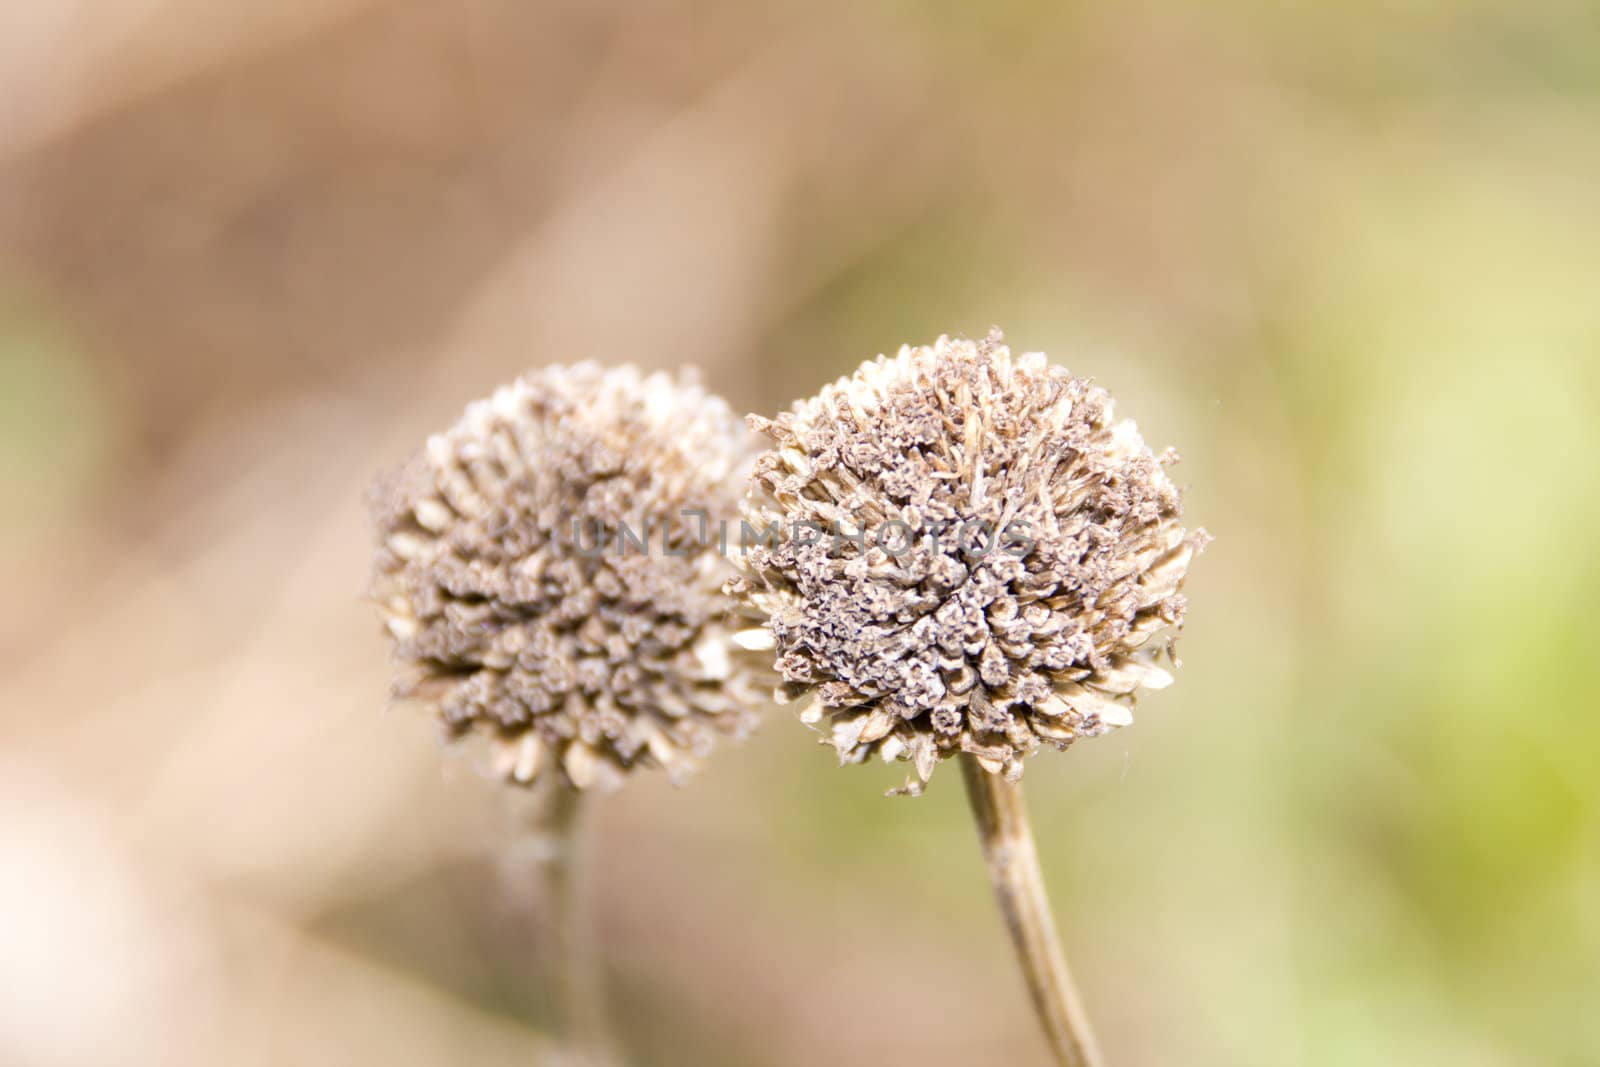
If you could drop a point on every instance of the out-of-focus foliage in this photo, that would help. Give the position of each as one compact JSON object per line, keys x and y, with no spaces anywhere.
{"x":1343,"y":256}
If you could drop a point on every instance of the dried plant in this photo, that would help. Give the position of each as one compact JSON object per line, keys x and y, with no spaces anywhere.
{"x":548,"y":587}
{"x":546,"y":584}
{"x":1001,"y":569}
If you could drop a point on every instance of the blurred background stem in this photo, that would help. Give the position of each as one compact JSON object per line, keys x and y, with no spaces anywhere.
{"x":1008,"y":851}
{"x":571,"y":966}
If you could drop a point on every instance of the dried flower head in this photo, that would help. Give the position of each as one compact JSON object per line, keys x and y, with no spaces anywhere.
{"x":976,"y":557}
{"x":547,"y":584}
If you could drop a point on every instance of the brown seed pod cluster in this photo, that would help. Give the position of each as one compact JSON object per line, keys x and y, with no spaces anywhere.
{"x":976,"y":556}
{"x":543,"y":573}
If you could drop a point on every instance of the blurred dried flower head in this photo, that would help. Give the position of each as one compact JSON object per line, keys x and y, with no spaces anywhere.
{"x":545,"y":589}
{"x":1010,"y":555}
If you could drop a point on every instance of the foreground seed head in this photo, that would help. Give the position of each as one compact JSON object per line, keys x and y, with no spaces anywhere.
{"x":522,"y":608}
{"x":1001,"y":566}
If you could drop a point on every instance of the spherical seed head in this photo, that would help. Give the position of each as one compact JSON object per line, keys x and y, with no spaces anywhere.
{"x":522,"y":606}
{"x":975,"y":556}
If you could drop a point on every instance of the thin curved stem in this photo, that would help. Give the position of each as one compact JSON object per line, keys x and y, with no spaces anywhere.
{"x":1013,"y":862}
{"x":580,"y":1006}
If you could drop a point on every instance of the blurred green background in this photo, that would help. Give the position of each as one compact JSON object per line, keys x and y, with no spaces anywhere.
{"x":1344,"y":257}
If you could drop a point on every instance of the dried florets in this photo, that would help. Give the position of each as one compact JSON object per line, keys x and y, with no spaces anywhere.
{"x":975,"y":556}
{"x":544,"y":571}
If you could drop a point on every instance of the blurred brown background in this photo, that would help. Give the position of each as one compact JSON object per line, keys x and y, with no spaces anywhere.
{"x":1344,"y":256}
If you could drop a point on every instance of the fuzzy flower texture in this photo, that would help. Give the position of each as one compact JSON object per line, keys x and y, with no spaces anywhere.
{"x":1010,"y":566}
{"x":522,"y":608}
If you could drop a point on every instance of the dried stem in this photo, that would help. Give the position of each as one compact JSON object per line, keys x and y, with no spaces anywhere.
{"x":1008,"y":850}
{"x":580,"y":1010}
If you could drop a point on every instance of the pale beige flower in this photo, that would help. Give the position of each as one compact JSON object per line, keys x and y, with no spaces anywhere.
{"x":543,"y":572}
{"x":1001,"y":566}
